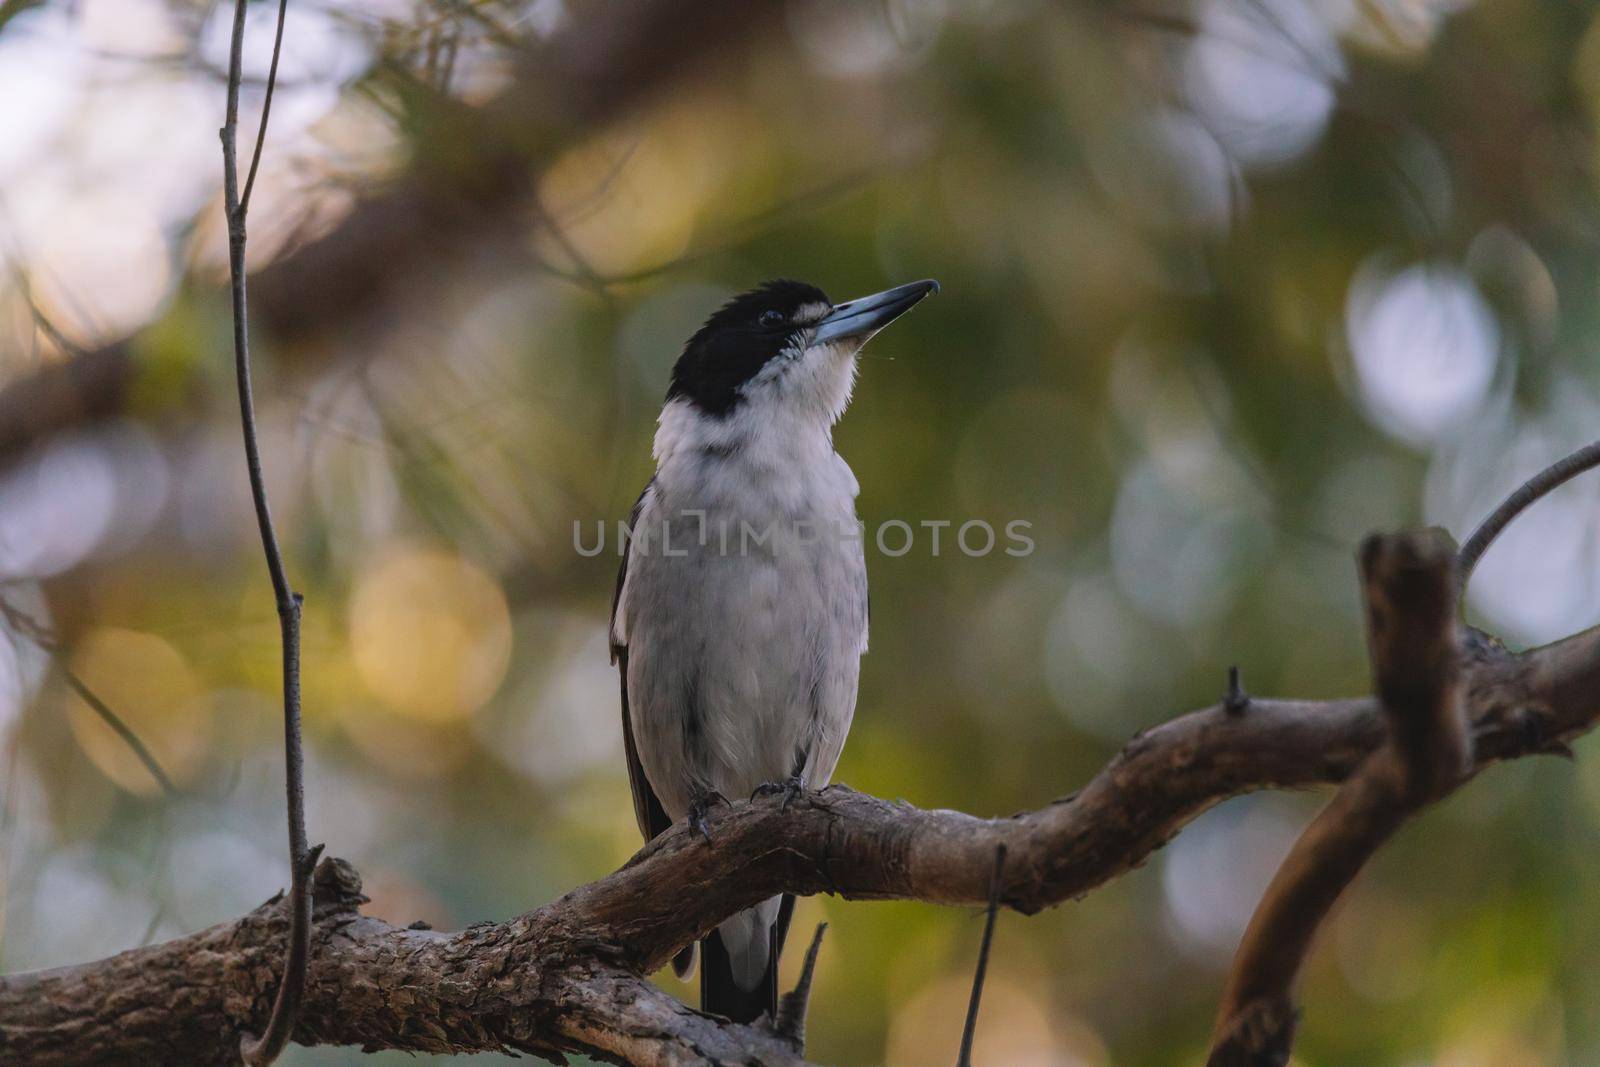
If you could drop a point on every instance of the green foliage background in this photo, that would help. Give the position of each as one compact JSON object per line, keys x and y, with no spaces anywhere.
{"x":1225,"y":286}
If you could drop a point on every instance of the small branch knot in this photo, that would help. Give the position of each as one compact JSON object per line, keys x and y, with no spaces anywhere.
{"x":1235,"y":699}
{"x":336,"y":884}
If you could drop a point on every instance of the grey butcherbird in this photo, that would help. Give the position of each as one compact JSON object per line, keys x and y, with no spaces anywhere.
{"x":740,"y":614}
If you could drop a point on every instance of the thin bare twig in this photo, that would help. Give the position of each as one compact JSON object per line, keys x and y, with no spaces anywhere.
{"x":266,"y":108}
{"x":1559,"y":472}
{"x":970,"y":1028}
{"x":34,"y":631}
{"x":258,"y":1052}
{"x":122,"y":730}
{"x":790,"y":1023}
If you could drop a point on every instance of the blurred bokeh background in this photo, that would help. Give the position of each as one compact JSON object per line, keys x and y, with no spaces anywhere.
{"x":1227,"y":284}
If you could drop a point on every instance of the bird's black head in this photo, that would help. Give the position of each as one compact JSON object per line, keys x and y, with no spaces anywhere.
{"x":740,"y":338}
{"x":790,"y":327}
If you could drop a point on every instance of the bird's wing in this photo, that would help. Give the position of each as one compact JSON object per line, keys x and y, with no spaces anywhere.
{"x":646,"y":808}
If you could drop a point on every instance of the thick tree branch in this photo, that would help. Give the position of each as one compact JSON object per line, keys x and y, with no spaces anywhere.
{"x":541,"y":983}
{"x":1409,"y":585}
{"x":566,"y":976}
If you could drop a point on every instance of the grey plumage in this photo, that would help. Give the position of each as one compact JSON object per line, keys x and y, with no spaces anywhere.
{"x":740,"y":614}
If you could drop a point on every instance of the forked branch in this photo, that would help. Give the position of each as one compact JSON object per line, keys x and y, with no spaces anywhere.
{"x":1409,"y":585}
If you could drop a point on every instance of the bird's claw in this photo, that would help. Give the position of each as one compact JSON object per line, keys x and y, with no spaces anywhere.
{"x":697,"y":812}
{"x":789,"y":787}
{"x":697,"y":823}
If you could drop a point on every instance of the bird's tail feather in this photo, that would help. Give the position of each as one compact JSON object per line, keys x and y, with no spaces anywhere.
{"x":721,"y":995}
{"x":721,"y":992}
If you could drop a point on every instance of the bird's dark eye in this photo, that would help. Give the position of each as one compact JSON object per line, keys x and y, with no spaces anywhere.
{"x":772,"y":319}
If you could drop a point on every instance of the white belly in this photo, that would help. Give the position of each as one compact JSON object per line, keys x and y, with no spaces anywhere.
{"x":743,"y":656}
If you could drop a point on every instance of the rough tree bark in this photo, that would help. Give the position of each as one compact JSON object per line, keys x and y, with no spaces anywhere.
{"x":568,"y":976}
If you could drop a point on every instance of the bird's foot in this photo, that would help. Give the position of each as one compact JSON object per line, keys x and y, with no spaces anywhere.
{"x":698,"y":808}
{"x":789,"y":787}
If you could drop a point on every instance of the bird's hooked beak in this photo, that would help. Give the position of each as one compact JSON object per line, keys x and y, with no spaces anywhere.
{"x":867,"y":315}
